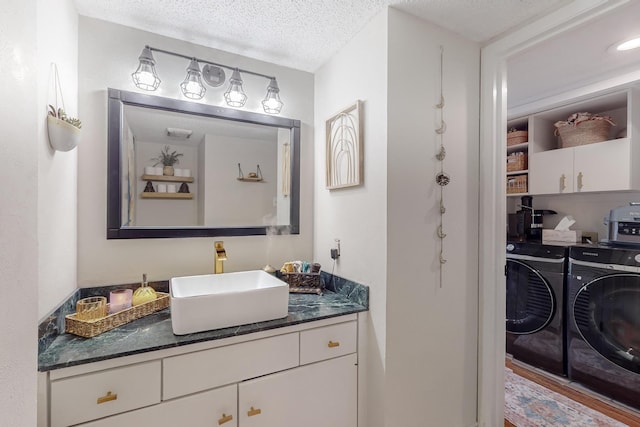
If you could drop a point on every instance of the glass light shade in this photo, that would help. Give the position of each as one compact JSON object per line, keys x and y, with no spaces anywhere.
{"x":145,"y":76}
{"x":192,"y":86}
{"x":272,"y":103}
{"x":235,"y":95}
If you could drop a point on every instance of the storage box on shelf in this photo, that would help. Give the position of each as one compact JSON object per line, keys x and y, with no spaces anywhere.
{"x":584,"y":165}
{"x":517,"y":161}
{"x":517,"y":184}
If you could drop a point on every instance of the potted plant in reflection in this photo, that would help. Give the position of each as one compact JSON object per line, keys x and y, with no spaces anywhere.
{"x":167,"y":158}
{"x":64,"y":131}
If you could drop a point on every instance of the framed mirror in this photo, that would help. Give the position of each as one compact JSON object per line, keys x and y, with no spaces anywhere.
{"x":237,"y":172}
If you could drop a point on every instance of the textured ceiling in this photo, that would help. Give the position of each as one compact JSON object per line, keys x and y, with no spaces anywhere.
{"x":303,"y":34}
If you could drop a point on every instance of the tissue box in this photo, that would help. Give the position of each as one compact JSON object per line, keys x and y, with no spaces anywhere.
{"x":567,"y":236}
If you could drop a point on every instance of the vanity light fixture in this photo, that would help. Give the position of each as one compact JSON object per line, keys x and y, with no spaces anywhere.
{"x":235,"y":95}
{"x":629,"y":44}
{"x":272,"y":103}
{"x":145,"y":78}
{"x":192,"y":86}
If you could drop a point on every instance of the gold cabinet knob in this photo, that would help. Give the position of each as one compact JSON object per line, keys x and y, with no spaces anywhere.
{"x":333,"y":344}
{"x":563,"y":182}
{"x":225,"y":419}
{"x":109,"y":397}
{"x":251,"y":412}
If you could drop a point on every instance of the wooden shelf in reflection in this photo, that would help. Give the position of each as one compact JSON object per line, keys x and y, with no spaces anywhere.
{"x":167,"y":178}
{"x":149,"y":195}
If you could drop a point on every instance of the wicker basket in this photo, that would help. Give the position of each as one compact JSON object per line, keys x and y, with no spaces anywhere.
{"x":91,"y":328}
{"x":517,"y":162}
{"x":586,"y":132}
{"x":304,"y":283}
{"x":517,"y":184}
{"x":517,"y":137}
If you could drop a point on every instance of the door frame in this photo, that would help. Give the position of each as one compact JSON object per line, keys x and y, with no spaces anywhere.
{"x":492,"y":207}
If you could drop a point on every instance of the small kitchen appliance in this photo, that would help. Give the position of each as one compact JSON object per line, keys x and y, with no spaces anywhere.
{"x":624,"y":225}
{"x":527,"y":224}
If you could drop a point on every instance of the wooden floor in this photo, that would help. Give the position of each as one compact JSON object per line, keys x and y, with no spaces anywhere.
{"x":628,"y":417}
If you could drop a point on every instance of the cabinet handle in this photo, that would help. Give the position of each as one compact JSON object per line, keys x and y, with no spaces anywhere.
{"x":108,"y":398}
{"x":563,"y":182}
{"x":580,"y":176}
{"x":333,"y":344}
{"x":251,"y":412}
{"x":225,"y":419}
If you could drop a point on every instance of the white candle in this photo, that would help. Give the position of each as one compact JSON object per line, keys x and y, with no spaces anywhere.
{"x":119,"y":300}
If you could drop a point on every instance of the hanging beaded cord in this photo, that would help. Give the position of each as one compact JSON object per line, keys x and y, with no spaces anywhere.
{"x":442,"y":179}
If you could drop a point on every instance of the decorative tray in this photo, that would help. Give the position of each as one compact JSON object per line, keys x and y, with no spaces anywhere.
{"x":91,"y":328}
{"x":303,"y":283}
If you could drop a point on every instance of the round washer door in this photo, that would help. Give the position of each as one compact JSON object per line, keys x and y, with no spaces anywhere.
{"x":606,"y":312}
{"x":530,"y":299}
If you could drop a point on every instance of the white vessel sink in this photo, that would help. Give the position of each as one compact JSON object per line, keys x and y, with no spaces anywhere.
{"x":213,"y":301}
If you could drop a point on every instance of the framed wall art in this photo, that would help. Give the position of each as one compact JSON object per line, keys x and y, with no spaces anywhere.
{"x":344,"y":148}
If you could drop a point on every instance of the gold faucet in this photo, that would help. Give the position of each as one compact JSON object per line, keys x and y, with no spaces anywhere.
{"x":219,"y":255}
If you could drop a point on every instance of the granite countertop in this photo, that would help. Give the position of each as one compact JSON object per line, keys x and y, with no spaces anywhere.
{"x":154,"y":331}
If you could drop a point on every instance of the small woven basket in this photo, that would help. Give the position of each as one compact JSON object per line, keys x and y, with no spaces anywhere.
{"x":304,"y":283}
{"x":585,"y":132}
{"x":516,"y":162}
{"x":517,"y":184}
{"x":517,"y":137}
{"x":91,"y":328}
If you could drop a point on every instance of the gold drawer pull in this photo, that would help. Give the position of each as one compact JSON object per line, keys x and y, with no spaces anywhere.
{"x":225,"y":419}
{"x":333,"y":344}
{"x":253,"y":412}
{"x":580,"y":177}
{"x":109,"y":397}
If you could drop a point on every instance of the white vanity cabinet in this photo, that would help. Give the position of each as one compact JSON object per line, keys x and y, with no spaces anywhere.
{"x":612,"y":165}
{"x":301,"y":375}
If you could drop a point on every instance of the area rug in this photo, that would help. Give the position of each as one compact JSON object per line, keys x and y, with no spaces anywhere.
{"x":528,"y":404}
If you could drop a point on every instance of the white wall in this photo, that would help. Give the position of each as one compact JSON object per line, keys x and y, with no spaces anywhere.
{"x":238,"y":203}
{"x":421,"y":343}
{"x":431,"y":330}
{"x":107,"y":56}
{"x":18,"y":212}
{"x":357,"y":215}
{"x":57,"y":171}
{"x":27,"y":273}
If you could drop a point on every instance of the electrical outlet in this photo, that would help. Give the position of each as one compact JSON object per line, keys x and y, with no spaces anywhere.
{"x":335,"y":253}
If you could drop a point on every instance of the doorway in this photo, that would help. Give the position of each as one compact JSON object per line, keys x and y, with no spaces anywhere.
{"x":492,"y":209}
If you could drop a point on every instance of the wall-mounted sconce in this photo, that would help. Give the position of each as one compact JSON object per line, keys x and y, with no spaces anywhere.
{"x":146,"y":78}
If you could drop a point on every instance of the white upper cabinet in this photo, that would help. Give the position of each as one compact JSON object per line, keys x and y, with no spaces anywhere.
{"x":611,"y":165}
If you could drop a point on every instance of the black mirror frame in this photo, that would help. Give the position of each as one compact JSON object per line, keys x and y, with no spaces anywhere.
{"x":118,"y":98}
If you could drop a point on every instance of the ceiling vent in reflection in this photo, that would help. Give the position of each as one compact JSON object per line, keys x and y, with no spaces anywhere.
{"x":179,"y":133}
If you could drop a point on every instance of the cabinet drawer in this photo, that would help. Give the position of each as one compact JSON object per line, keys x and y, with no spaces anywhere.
{"x":202,"y":370}
{"x":327,"y":342}
{"x":207,"y":409}
{"x":86,"y":397}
